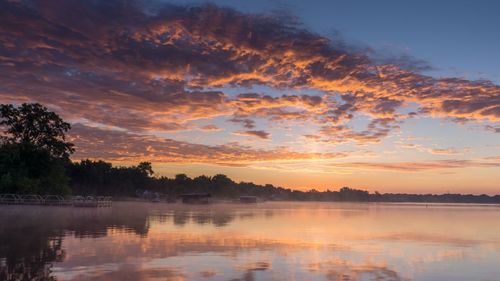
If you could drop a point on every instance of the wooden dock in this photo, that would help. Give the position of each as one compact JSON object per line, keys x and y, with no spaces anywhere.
{"x":55,"y":200}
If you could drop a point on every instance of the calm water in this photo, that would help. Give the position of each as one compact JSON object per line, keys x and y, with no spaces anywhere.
{"x":268,"y":241}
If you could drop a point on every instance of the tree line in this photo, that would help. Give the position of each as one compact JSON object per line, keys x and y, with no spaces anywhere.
{"x":35,"y":159}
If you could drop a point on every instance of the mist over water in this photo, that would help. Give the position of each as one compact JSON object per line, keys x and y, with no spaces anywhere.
{"x":265,"y":241}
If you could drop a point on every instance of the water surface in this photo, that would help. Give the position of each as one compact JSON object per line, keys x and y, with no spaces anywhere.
{"x":265,"y":241}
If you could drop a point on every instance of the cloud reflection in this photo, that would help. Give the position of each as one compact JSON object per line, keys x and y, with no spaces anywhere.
{"x":240,"y":242}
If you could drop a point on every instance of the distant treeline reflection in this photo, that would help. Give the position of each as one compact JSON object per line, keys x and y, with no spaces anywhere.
{"x":28,"y":255}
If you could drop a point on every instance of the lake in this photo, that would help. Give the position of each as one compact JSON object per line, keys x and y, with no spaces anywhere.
{"x":265,"y":241}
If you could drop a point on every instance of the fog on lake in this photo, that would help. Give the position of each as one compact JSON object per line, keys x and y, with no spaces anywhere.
{"x":264,"y":241}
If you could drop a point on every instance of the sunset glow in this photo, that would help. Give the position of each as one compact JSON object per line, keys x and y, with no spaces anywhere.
{"x":261,"y":97}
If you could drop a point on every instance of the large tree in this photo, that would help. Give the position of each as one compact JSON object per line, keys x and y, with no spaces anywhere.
{"x":34,"y":152}
{"x":32,"y":123}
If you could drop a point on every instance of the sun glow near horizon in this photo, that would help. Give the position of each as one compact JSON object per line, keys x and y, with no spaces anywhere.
{"x":209,"y":89}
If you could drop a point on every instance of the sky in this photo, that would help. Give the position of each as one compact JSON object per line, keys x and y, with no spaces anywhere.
{"x":389,"y":96}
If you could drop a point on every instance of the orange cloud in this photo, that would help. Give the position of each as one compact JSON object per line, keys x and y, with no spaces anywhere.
{"x":253,"y":133}
{"x":210,"y":128}
{"x":138,"y":72}
{"x":128,"y":147}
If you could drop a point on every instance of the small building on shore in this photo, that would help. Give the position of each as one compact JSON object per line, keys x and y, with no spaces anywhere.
{"x":196,"y":198}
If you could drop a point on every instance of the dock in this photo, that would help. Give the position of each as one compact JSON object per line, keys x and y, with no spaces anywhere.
{"x":55,"y":200}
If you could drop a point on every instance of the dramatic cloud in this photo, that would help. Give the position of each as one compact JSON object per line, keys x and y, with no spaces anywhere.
{"x":127,"y":147}
{"x":143,"y":67}
{"x":375,"y":131}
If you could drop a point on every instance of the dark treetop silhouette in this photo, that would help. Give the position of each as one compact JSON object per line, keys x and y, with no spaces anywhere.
{"x":33,"y":124}
{"x":33,"y":150}
{"x":34,"y":158}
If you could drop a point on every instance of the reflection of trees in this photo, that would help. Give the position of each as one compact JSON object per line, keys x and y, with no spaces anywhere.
{"x":222,"y":219}
{"x":218,"y":219}
{"x":29,"y":258}
{"x":202,"y":218}
{"x":180,"y":218}
{"x":31,"y":237}
{"x":27,"y":250}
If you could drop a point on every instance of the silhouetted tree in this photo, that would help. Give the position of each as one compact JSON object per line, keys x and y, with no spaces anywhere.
{"x":34,"y":124}
{"x":146,"y":168}
{"x":33,"y":150}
